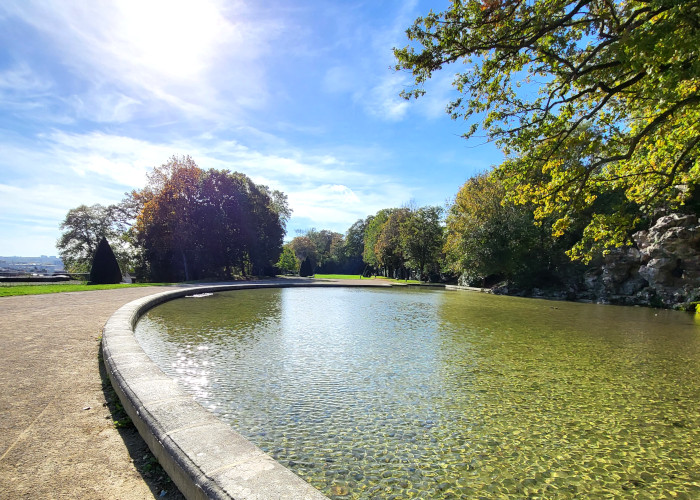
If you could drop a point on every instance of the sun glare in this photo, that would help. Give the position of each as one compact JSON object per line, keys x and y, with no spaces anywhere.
{"x":177,"y":39}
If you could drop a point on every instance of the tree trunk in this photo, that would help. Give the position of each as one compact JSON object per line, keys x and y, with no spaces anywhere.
{"x":184,"y":265}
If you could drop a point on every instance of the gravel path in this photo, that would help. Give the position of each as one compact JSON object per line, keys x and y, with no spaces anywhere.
{"x":57,"y":438}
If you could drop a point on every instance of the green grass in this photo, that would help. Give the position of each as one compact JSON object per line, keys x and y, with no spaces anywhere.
{"x":339,"y":277}
{"x":357,"y":277}
{"x":10,"y":289}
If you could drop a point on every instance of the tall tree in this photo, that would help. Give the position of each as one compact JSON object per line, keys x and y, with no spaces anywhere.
{"x":617,"y":107}
{"x":489,"y":239}
{"x":354,"y":245}
{"x":288,"y":262}
{"x":422,"y":239}
{"x":374,"y":226}
{"x":266,"y":221}
{"x":388,"y":248}
{"x":168,"y":224}
{"x":328,"y":249}
{"x":207,"y":224}
{"x":304,"y":248}
{"x":83,"y":228}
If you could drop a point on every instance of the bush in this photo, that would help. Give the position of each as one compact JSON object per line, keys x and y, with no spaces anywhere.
{"x":105,"y":268}
{"x":307,"y":268}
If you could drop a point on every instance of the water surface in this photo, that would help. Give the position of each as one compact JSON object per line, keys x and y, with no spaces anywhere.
{"x":371,"y":393}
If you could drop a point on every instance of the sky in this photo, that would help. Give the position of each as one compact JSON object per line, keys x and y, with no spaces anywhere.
{"x":299,"y":95}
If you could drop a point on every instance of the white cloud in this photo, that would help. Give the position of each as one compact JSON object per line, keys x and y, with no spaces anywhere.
{"x":337,"y":207}
{"x":21,"y":79}
{"x":383,"y":99}
{"x":326,"y":202}
{"x":63,"y":170}
{"x":105,"y":107}
{"x":30,"y":214}
{"x":114,"y":159}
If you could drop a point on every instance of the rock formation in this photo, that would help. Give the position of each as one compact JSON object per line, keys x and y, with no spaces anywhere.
{"x":663,"y":269}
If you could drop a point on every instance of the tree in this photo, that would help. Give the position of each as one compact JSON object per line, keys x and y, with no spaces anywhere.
{"x":422,"y":238}
{"x":199,"y":224}
{"x":266,"y":222}
{"x":288,"y":262}
{"x":354,"y":245}
{"x":105,"y":268}
{"x":304,"y":248}
{"x":487,"y":239}
{"x":617,"y":108}
{"x":307,"y":268}
{"x":328,"y":257}
{"x":373,"y":229}
{"x":168,"y":223}
{"x":388,"y":248}
{"x":83,"y":228}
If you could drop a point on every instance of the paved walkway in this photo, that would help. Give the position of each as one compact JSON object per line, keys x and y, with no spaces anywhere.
{"x":57,"y":439}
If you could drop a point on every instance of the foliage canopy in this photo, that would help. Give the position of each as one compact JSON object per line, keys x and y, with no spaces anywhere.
{"x":490,"y":239}
{"x":196,"y":224}
{"x":616,"y":107}
{"x":397,"y":240}
{"x":288,"y":262}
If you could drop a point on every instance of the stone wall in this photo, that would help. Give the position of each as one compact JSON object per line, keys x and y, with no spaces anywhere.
{"x":663,"y":270}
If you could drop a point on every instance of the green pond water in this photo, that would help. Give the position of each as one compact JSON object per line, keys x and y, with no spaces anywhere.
{"x":407,"y":393}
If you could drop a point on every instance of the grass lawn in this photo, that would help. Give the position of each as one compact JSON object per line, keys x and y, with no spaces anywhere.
{"x":9,"y":289}
{"x":357,"y":277}
{"x":338,"y":276}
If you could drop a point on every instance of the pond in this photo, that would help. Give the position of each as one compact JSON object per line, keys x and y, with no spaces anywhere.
{"x":414,"y":393}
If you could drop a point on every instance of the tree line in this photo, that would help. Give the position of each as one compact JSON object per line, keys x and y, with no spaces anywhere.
{"x":394,"y":242}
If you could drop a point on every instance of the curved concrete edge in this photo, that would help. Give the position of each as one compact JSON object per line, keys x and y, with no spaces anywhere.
{"x":204,"y":457}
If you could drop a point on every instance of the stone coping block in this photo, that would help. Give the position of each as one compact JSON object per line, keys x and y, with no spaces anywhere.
{"x":203,"y":456}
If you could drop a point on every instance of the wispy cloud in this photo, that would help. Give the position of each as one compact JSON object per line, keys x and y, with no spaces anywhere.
{"x":20,"y":80}
{"x":99,"y":168}
{"x":372,"y":82}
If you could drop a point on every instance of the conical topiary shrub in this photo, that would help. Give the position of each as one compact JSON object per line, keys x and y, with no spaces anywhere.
{"x":105,"y":268}
{"x":307,"y":268}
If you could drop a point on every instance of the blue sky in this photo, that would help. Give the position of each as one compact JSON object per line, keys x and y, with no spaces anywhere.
{"x":298,"y":95}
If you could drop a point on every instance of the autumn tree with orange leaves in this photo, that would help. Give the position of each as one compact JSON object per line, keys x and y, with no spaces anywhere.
{"x":194,"y":224}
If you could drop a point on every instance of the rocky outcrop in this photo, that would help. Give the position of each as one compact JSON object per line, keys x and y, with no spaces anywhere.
{"x":663,"y":270}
